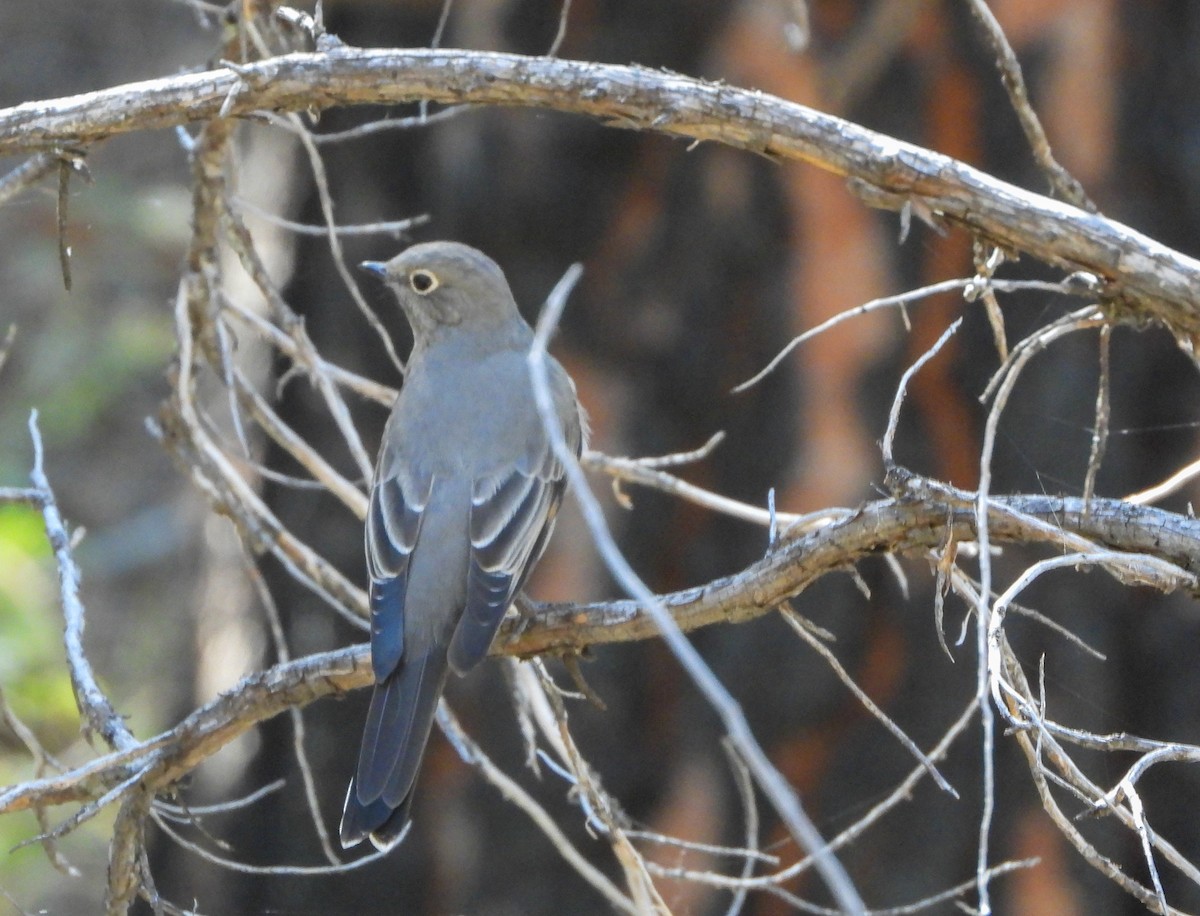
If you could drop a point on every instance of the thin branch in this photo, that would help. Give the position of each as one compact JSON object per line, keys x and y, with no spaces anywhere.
{"x":563,"y":15}
{"x":203,"y":8}
{"x":325,"y":198}
{"x":295,"y":445}
{"x":898,"y":301}
{"x":1033,"y":750}
{"x":1063,"y":183}
{"x":988,"y":259}
{"x":295,"y":345}
{"x":889,"y":436}
{"x":1172,"y":484}
{"x":191,"y":813}
{"x":802,"y":630}
{"x":394,"y":228}
{"x":473,"y":755}
{"x":26,"y":175}
{"x":636,"y":470}
{"x":1103,"y":414}
{"x":42,"y":761}
{"x":98,"y":713}
{"x":293,"y":870}
{"x":745,"y":787}
{"x":781,"y":795}
{"x":242,"y":243}
{"x":987,"y":619}
{"x":900,"y":794}
{"x":279,"y":639}
{"x":381,"y":125}
{"x":124,"y":855}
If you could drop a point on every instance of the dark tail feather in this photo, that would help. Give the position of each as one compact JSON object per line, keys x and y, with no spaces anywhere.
{"x":377,"y":820}
{"x":397,"y":729}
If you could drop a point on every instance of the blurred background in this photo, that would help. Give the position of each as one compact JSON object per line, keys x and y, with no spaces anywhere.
{"x":699,"y":265}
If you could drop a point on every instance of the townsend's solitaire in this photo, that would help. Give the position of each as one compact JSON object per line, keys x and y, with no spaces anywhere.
{"x":466,"y":489}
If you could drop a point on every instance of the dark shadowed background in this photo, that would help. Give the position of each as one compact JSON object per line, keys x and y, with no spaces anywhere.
{"x":699,"y":265}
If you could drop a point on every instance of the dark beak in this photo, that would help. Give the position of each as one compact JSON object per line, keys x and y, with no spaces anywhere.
{"x":378,"y":268}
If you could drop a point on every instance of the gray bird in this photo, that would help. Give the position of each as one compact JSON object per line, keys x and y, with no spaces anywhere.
{"x":464,"y":499}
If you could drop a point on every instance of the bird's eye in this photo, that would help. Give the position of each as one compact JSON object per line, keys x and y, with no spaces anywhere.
{"x":422,"y":282}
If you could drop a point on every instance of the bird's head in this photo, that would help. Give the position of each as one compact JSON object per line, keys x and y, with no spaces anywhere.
{"x":446,"y":284}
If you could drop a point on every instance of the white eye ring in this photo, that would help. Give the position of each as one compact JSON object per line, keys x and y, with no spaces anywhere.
{"x":423,"y":282}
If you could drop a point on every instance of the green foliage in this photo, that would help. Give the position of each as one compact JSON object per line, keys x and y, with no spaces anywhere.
{"x":32,"y":671}
{"x":31,"y":656}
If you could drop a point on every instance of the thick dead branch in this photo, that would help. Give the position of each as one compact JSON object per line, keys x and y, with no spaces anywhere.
{"x":888,"y":526}
{"x":885,"y":526}
{"x":1161,"y":281}
{"x":176,"y":752}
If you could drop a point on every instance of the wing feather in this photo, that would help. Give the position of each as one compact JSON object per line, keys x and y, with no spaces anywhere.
{"x":393,"y":525}
{"x":511,"y":517}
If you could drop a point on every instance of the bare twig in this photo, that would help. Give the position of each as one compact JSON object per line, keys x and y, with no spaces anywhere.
{"x":986,"y":619}
{"x":473,"y":755}
{"x":781,"y":795}
{"x":26,"y":175}
{"x":394,"y":228}
{"x":901,"y":793}
{"x":563,"y":16}
{"x":243,"y":244}
{"x":308,"y":457}
{"x":1063,"y":183}
{"x":125,"y":851}
{"x":98,"y":713}
{"x":637,"y":470}
{"x":325,"y":198}
{"x":982,"y":287}
{"x":901,"y":301}
{"x":889,"y":436}
{"x":1103,"y":412}
{"x":42,"y":761}
{"x":295,"y":345}
{"x":233,"y":865}
{"x":64,"y":249}
{"x":203,"y":8}
{"x":745,"y":786}
{"x":279,"y":639}
{"x":192,"y":813}
{"x":1172,"y":484}
{"x":385,"y":124}
{"x":843,"y":675}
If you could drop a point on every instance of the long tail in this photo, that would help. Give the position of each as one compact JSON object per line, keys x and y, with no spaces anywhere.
{"x":397,"y":729}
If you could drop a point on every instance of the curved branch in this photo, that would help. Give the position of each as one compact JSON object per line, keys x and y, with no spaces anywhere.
{"x":1161,"y":280}
{"x":173,"y":753}
{"x":886,"y":526}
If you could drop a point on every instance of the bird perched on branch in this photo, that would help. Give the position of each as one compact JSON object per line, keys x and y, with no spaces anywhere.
{"x":464,"y":498}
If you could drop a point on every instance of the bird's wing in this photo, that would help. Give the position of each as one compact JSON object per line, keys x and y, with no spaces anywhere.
{"x":393,"y":524}
{"x":512,"y":516}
